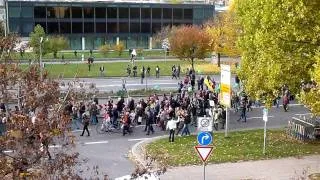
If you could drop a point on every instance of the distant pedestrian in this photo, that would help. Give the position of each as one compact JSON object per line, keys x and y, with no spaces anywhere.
{"x":124,"y":84}
{"x":178,"y":71}
{"x":133,"y":55}
{"x":75,"y":53}
{"x":173,"y":70}
{"x":171,"y":126}
{"x":142,"y":75}
{"x":128,"y":70}
{"x":285,"y":102}
{"x":157,"y":72}
{"x":243,"y":107}
{"x":85,"y":120}
{"x":148,"y":71}
{"x":101,"y":70}
{"x":134,"y":71}
{"x":90,"y":52}
{"x":62,"y":57}
{"x":89,"y":67}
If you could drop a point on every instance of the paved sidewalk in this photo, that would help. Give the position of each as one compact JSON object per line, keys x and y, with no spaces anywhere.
{"x":278,"y":169}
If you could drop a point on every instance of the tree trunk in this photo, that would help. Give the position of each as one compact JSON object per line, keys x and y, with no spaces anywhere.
{"x":219,"y":62}
{"x":192,"y":64}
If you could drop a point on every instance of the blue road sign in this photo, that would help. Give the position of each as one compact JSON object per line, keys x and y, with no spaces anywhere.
{"x":204,"y":138}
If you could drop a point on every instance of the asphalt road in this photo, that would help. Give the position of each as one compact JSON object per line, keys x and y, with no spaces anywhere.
{"x":115,"y":84}
{"x":109,"y":151}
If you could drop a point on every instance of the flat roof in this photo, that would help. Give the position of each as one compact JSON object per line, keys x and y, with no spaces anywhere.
{"x":126,"y":1}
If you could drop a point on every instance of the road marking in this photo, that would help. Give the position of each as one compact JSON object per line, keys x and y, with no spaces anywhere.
{"x":138,"y":139}
{"x":143,"y":125}
{"x":97,"y":142}
{"x":258,"y":117}
{"x":55,"y":146}
{"x":303,"y":114}
{"x":8,"y":151}
{"x":254,"y":107}
{"x":79,"y":130}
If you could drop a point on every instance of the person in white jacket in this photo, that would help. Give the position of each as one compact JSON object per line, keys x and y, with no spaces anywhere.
{"x":171,"y":126}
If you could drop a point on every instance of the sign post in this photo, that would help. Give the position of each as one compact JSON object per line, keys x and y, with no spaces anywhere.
{"x":226,"y":91}
{"x":265,"y":119}
{"x":203,"y":150}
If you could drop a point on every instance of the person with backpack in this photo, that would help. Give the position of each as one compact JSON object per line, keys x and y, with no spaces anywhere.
{"x":85,"y":121}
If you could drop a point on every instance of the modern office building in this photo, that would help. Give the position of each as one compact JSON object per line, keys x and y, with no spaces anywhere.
{"x":90,"y":23}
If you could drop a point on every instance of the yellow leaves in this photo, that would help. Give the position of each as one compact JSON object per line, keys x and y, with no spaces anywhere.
{"x":16,"y":134}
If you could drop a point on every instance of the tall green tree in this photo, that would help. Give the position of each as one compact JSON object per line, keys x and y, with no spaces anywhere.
{"x":279,"y":40}
{"x":56,"y":44}
{"x":224,"y":31}
{"x":34,"y":41}
{"x":190,"y":43}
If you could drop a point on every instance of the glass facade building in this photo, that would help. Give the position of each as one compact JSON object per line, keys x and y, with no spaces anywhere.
{"x":88,"y":25}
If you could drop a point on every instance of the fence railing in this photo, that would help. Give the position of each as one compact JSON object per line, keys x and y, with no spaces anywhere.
{"x":304,"y":129}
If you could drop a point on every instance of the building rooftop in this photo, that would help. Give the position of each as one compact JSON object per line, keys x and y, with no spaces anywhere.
{"x":128,"y":1}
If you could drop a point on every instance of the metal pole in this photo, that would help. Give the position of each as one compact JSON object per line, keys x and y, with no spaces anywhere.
{"x":227,"y":122}
{"x":204,"y":170}
{"x":6,"y":29}
{"x":40,"y":60}
{"x":265,"y":137}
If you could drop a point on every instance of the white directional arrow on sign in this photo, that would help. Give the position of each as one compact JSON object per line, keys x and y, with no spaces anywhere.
{"x":204,"y":152}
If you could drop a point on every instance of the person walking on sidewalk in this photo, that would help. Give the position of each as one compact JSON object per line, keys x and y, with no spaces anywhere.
{"x":86,"y":121}
{"x":171,"y":126}
{"x":157,"y":72}
{"x":187,"y":121}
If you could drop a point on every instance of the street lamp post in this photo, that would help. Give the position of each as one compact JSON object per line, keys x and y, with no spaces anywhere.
{"x":40,"y":58}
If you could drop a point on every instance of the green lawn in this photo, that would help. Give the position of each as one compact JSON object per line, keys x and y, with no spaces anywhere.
{"x":119,"y":68}
{"x":242,"y":145}
{"x":111,"y":54}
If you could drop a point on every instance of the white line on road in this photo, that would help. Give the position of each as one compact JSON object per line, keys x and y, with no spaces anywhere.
{"x":97,"y":142}
{"x":303,"y":114}
{"x":254,"y":107}
{"x":8,"y":151}
{"x":79,"y":130}
{"x":55,"y":146}
{"x":258,"y":117}
{"x":137,"y":139}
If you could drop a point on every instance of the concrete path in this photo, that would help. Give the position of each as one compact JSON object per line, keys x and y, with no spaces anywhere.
{"x":278,"y":169}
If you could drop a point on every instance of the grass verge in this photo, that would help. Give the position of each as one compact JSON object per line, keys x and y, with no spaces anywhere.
{"x":241,"y":146}
{"x":119,"y":69}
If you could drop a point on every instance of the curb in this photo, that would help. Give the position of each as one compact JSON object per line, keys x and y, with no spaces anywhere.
{"x":138,"y":154}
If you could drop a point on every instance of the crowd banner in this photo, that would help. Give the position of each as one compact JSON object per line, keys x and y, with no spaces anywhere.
{"x":209,"y":84}
{"x":225,"y":88}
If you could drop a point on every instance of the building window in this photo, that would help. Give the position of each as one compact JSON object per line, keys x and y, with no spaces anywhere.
{"x":123,"y":13}
{"x":76,"y":12}
{"x":112,"y":13}
{"x":53,"y":28}
{"x":156,"y":13}
{"x":167,"y":13}
{"x":145,"y":13}
{"x":100,"y":27}
{"x":88,"y":27}
{"x":101,"y":13}
{"x":145,"y":27}
{"x":135,"y":13}
{"x":177,"y":14}
{"x":52,"y":12}
{"x":135,"y":27}
{"x":27,"y":12}
{"x":27,"y":27}
{"x":156,"y":27}
{"x":65,"y":27}
{"x":198,"y":13}
{"x":188,"y":14}
{"x":40,"y":12}
{"x":123,"y":27}
{"x":64,"y":12}
{"x":14,"y":12}
{"x":76,"y":27}
{"x":112,"y":28}
{"x":88,"y":12}
{"x":14,"y":26}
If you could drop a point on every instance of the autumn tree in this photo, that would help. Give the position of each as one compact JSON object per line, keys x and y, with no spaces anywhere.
{"x":119,"y":48}
{"x":56,"y":44}
{"x":38,"y":121}
{"x":104,"y":49}
{"x":224,"y":31}
{"x":2,"y":28}
{"x":279,"y":43}
{"x":190,"y":43}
